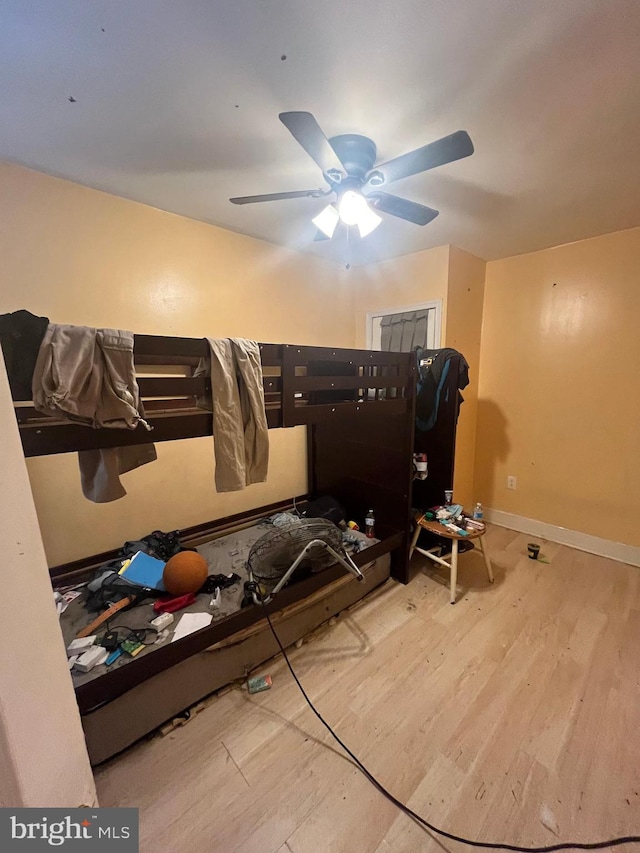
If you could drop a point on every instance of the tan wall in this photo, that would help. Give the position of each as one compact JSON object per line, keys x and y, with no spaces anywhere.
{"x":559,"y":401}
{"x":463,"y":328}
{"x":84,"y":257}
{"x":43,"y":758}
{"x":555,"y":405}
{"x":457,"y":279}
{"x":400,"y":282}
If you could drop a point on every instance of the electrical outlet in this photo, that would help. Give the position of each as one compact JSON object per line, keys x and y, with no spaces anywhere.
{"x":511,"y":482}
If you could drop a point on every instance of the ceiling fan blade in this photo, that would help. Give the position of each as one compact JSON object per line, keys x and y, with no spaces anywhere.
{"x":320,"y":235}
{"x":402,"y":207}
{"x":453,"y":147}
{"x":252,"y":199}
{"x":306,"y":130}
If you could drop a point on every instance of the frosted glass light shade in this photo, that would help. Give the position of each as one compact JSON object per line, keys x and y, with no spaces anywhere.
{"x":327,"y":220}
{"x":368,"y":221}
{"x":354,"y":210}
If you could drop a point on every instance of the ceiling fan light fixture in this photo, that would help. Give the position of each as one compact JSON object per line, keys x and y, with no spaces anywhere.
{"x":327,"y":220}
{"x":350,"y":207}
{"x":368,"y":221}
{"x":347,"y":162}
{"x":354,"y":210}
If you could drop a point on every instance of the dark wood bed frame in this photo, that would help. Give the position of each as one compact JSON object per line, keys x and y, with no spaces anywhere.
{"x":359,"y":408}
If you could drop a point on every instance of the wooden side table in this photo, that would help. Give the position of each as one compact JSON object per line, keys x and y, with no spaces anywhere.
{"x":438,"y":529}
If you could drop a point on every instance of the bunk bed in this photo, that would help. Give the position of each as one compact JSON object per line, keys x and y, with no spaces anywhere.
{"x":359,"y":409}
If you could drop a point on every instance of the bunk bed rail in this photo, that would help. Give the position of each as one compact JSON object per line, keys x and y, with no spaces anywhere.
{"x":302,"y":385}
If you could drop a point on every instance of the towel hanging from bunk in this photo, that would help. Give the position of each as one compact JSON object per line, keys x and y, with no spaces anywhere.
{"x":241,"y":435}
{"x":87,"y":376}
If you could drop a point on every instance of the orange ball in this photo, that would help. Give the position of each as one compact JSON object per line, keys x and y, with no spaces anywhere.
{"x":185,"y":572}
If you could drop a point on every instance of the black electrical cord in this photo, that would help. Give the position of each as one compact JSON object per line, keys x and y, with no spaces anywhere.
{"x":569,"y":845}
{"x":138,"y":634}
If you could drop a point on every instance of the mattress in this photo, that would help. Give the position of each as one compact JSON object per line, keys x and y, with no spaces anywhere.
{"x":224,"y":555}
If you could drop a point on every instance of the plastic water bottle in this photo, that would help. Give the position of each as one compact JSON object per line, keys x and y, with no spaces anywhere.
{"x":478,"y":513}
{"x":369,"y":524}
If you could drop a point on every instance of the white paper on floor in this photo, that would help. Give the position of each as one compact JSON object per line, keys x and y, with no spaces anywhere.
{"x":190,"y":622}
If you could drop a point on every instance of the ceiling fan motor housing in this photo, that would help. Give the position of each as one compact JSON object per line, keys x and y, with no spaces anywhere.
{"x":356,"y":153}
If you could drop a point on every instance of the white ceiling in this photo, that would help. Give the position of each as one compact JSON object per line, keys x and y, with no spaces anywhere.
{"x":177,"y":106}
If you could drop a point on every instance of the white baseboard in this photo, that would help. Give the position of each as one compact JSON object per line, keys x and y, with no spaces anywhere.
{"x":574,"y":538}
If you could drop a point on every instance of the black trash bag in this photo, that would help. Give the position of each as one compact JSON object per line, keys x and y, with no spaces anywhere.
{"x":324,"y":507}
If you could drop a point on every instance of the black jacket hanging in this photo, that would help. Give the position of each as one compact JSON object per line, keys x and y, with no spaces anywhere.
{"x":21,"y":334}
{"x":433,"y":370}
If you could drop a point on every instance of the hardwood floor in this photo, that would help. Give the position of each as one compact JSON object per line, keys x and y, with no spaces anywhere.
{"x":513,"y":716}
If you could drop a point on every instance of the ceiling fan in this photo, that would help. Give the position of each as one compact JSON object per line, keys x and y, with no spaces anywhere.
{"x":347,"y":164}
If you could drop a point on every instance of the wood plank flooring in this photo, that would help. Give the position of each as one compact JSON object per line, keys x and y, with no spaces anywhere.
{"x":513,"y":716}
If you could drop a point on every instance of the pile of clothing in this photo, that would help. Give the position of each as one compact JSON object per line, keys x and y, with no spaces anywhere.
{"x":108,"y":586}
{"x":82,"y":375}
{"x":87,"y":376}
